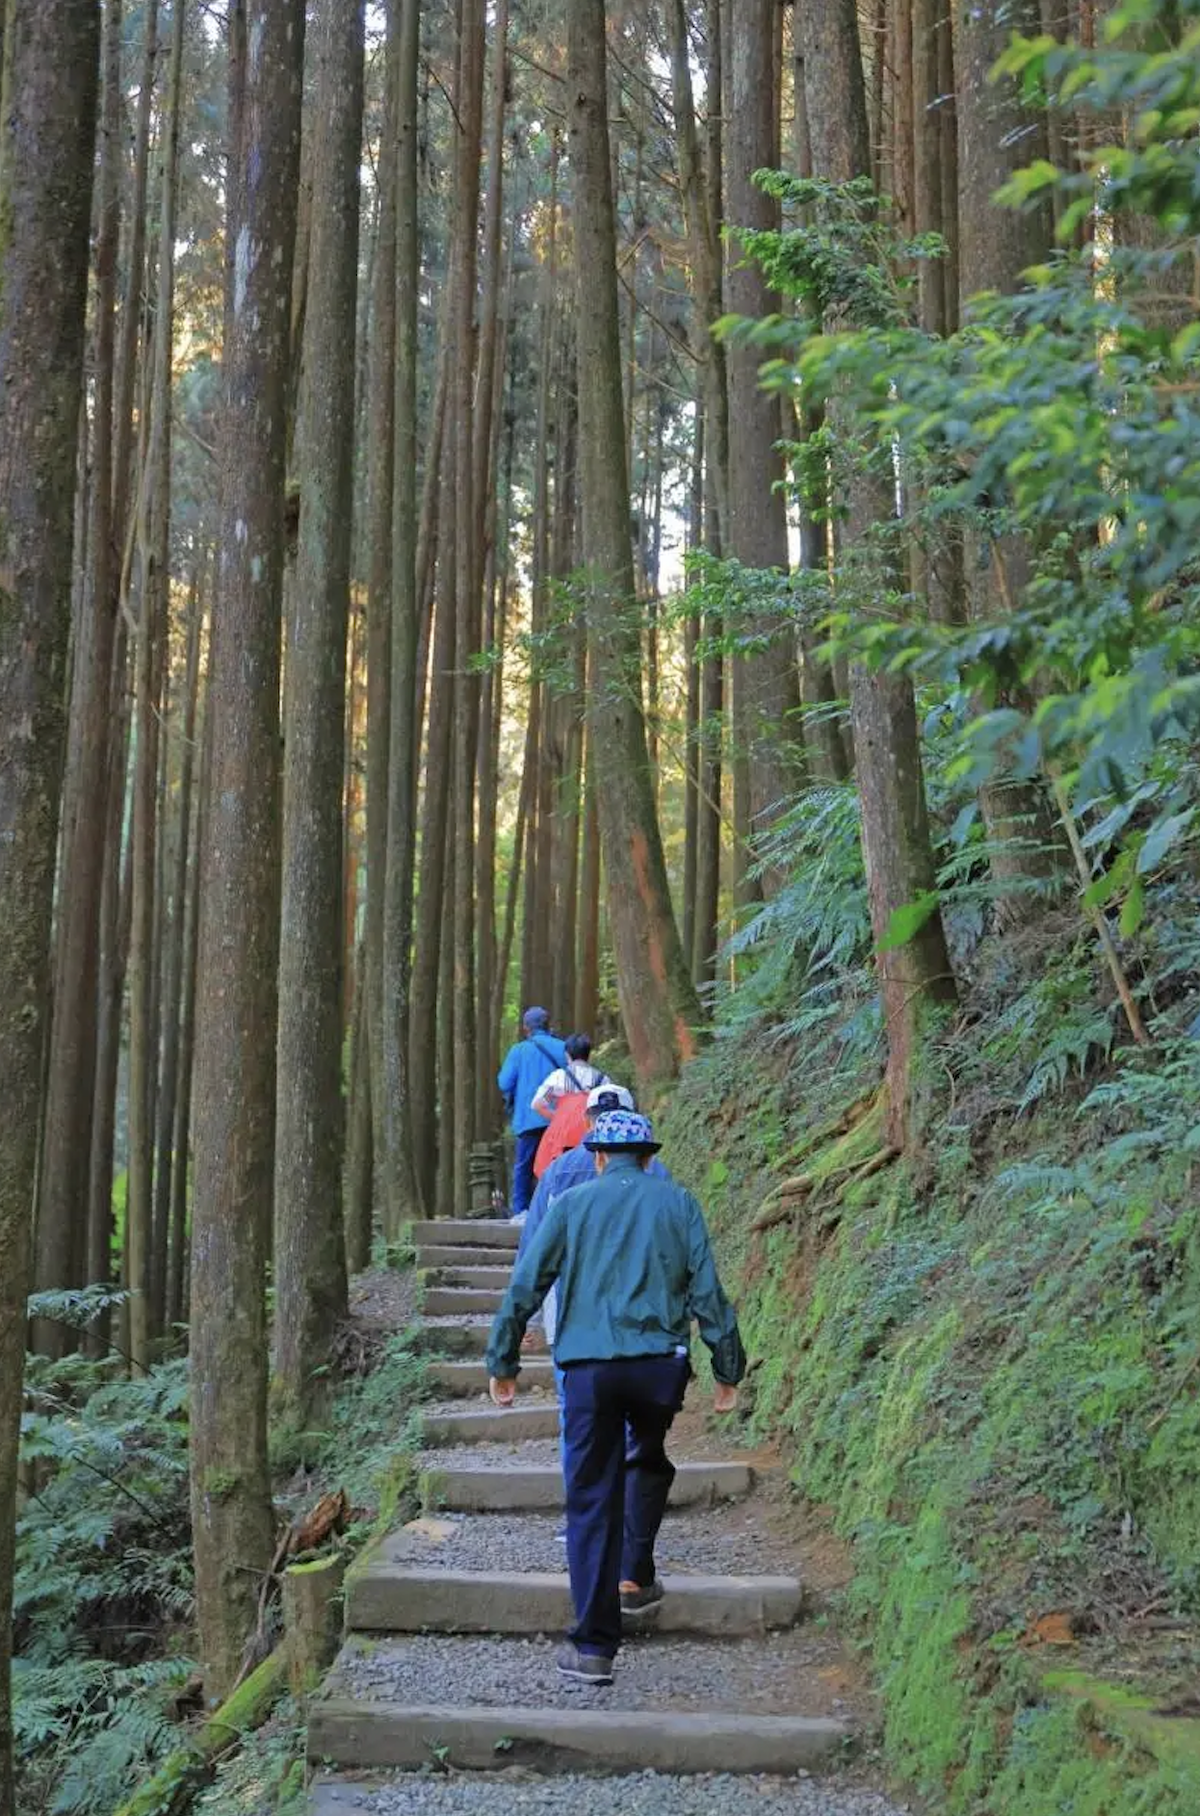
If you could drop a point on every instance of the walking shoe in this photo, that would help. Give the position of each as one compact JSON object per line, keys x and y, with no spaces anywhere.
{"x":636,"y":1601}
{"x":584,"y":1667}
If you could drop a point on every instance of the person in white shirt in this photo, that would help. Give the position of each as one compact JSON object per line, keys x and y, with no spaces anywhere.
{"x":576,"y":1075}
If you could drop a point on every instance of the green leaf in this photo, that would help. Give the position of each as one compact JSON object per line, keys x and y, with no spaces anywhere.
{"x":1161,"y":836}
{"x":908,"y":921}
{"x":1133,"y":913}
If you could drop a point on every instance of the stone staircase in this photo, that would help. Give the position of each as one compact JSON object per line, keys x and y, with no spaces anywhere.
{"x":452,"y":1621}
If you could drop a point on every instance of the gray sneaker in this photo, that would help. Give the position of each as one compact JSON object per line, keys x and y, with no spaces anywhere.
{"x":584,"y":1667}
{"x":636,"y":1602}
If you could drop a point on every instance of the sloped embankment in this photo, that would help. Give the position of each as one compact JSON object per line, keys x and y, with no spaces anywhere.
{"x":985,"y":1362}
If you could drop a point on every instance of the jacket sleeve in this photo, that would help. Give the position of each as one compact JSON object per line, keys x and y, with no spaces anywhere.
{"x":506,"y":1077}
{"x":709,"y":1306}
{"x":534,"y":1275}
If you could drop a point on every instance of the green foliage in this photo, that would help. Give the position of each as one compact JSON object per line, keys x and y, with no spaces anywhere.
{"x":103,"y":1574}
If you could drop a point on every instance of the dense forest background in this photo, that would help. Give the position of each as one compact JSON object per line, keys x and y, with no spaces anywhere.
{"x":684,"y":513}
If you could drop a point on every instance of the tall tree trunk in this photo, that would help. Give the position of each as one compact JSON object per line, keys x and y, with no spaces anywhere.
{"x":658,"y":1003}
{"x":114,"y":943}
{"x":997,"y":135}
{"x":357,"y":1212}
{"x":430,"y":915}
{"x":153,"y":520}
{"x":190,"y":909}
{"x":47,"y":148}
{"x":310,"y":1253}
{"x":767,"y":755}
{"x":70,"y":1078}
{"x":468,"y":577}
{"x":381,"y":479}
{"x":489,"y":392}
{"x":897,"y":851}
{"x":165,"y":1240}
{"x":239,"y":931}
{"x":408,"y":587}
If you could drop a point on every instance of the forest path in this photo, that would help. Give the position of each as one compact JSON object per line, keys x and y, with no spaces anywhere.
{"x":445,"y":1696}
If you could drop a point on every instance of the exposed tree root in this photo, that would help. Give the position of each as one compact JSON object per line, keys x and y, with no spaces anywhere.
{"x":848,"y":1151}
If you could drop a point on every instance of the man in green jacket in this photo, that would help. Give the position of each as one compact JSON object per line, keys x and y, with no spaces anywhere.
{"x":633,"y":1265}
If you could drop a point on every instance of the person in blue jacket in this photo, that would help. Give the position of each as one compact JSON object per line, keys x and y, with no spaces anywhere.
{"x":527,"y":1064}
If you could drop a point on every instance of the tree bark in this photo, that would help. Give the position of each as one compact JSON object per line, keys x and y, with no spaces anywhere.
{"x":897,"y":851}
{"x":70,"y":1077}
{"x":310,"y":1254}
{"x":381,"y":476}
{"x":239,"y":931}
{"x":658,"y":1002}
{"x":998,"y":135}
{"x":765,"y":686}
{"x":47,"y":148}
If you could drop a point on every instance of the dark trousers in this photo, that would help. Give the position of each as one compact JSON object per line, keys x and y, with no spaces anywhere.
{"x":523,"y":1179}
{"x":616,"y":1418}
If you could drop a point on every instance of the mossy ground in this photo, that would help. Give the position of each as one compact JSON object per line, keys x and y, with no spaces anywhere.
{"x":984,"y":1360}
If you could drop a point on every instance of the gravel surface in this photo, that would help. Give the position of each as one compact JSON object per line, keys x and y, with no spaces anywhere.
{"x":645,"y":1794}
{"x":720,"y":1541}
{"x":758,"y":1676}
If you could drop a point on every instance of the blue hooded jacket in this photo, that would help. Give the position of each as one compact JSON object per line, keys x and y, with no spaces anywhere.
{"x":527,"y":1065}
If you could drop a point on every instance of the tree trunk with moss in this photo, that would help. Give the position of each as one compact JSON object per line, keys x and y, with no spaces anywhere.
{"x":310,"y":1256}
{"x":47,"y":148}
{"x":239,"y":930}
{"x":654,"y":986}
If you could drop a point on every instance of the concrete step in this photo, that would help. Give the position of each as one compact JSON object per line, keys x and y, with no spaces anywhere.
{"x":438,"y":1255}
{"x":461,"y":1489}
{"x":476,"y":1279}
{"x":387,"y":1598}
{"x":463,"y":1378}
{"x":449,"y":1301}
{"x":451,"y":1337}
{"x":465,"y":1232}
{"x":489,"y":1425}
{"x":364,"y":1735}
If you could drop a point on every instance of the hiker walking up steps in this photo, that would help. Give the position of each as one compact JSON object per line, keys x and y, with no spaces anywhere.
{"x":633,"y":1264}
{"x":527,"y":1064}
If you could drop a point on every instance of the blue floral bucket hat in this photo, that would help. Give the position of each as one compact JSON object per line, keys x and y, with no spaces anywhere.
{"x":617,"y":1129}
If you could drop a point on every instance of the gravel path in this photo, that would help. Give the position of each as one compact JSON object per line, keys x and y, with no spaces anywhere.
{"x":759,"y":1676}
{"x":646,"y":1794}
{"x":721,"y":1541}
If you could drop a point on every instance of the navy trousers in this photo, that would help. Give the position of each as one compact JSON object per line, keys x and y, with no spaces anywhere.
{"x":523,"y":1179}
{"x":615,"y":1422}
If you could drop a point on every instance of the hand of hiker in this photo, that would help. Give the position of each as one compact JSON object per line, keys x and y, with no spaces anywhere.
{"x":724,"y":1397}
{"x":502,"y":1392}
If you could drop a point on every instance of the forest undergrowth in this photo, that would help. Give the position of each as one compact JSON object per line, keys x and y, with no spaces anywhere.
{"x":106,"y":1684}
{"x":982,"y":1359}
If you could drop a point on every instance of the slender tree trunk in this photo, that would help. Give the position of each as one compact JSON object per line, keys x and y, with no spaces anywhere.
{"x":468,"y":577}
{"x":897,"y":850}
{"x":165,"y":1240}
{"x":47,"y":147}
{"x":381,"y":478}
{"x":430,"y":916}
{"x":70,"y":1078}
{"x":181,"y":1175}
{"x":765,"y":686}
{"x":357,"y":1216}
{"x":997,"y":135}
{"x":658,"y":1003}
{"x":239,"y":930}
{"x":114,"y":943}
{"x":310,"y":1252}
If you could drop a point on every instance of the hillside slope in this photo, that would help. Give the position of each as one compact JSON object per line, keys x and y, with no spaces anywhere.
{"x":984,"y":1360}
